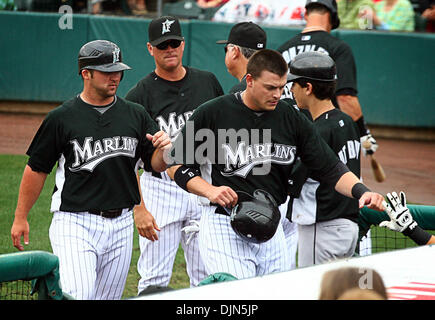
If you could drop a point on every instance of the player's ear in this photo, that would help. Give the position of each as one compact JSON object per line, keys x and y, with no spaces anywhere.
{"x":86,"y":74}
{"x":150,"y":49}
{"x":236,"y":52}
{"x":309,"y":88}
{"x":249,"y":79}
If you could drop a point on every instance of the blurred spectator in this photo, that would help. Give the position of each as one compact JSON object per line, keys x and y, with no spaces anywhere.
{"x":137,"y":7}
{"x":360,"y":294}
{"x":7,"y":5}
{"x":277,"y":12}
{"x":349,"y":12}
{"x":393,"y":15}
{"x":97,"y":6}
{"x":338,"y":281}
{"x":210,"y":3}
{"x":428,"y":13}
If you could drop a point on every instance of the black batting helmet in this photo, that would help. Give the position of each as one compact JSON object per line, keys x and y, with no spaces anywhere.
{"x":331,"y":5}
{"x":255,"y":218}
{"x":312,"y":65}
{"x":101,"y":55}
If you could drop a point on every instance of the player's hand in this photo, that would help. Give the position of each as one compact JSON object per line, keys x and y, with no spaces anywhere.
{"x":368,"y":144}
{"x":145,"y":223}
{"x":400,"y":217}
{"x":20,"y":228}
{"x":372,"y":200}
{"x":160,"y":140}
{"x":223,"y":196}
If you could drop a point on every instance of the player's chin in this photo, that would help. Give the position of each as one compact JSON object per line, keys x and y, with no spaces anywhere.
{"x":271,"y":105}
{"x":111,"y":89}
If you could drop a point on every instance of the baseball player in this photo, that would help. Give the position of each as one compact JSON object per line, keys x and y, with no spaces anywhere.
{"x":170,"y":94}
{"x":98,"y":141}
{"x":321,"y":17}
{"x":250,"y":141}
{"x":244,"y":40}
{"x":327,"y":221}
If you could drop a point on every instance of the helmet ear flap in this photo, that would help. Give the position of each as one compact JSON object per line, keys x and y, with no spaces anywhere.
{"x":335,"y":21}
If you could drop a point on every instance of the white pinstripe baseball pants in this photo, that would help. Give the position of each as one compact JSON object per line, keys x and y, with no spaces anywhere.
{"x":172,"y":208}
{"x":222,"y":250}
{"x":290,"y":232}
{"x":94,"y":253}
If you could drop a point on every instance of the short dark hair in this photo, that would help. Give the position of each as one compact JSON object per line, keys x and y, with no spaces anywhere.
{"x":316,"y":7}
{"x":266,"y":60}
{"x":322,"y":90}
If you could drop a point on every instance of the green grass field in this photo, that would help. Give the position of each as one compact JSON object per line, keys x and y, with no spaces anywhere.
{"x":11,"y":169}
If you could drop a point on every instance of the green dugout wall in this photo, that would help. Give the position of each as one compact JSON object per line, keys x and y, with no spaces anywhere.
{"x":39,"y":61}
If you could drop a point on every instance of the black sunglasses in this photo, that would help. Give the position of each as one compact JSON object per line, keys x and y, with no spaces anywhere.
{"x":173,"y":43}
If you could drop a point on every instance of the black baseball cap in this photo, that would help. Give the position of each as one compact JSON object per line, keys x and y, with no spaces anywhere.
{"x":312,"y":65}
{"x":331,"y":5}
{"x":164,"y":28}
{"x":246,"y":34}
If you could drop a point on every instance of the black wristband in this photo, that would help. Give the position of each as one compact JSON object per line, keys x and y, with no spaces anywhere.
{"x":358,"y":190}
{"x":417,"y":234}
{"x":362,"y":126}
{"x":183,"y":175}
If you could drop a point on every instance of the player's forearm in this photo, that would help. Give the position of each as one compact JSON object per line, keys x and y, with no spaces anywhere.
{"x":200,"y":187}
{"x":350,"y":105}
{"x":141,"y":204}
{"x":196,"y":185}
{"x":345,"y":184}
{"x":349,"y":185}
{"x":158,"y":162}
{"x":30,"y":189}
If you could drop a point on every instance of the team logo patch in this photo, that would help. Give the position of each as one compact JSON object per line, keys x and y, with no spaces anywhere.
{"x":166,"y":26}
{"x":116,"y":55}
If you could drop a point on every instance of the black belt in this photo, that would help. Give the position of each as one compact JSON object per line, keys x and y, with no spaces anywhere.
{"x":157,"y":175}
{"x":110,"y":214}
{"x":221,"y":210}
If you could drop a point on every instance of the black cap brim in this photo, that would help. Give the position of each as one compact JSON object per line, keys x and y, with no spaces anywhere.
{"x":165,"y":38}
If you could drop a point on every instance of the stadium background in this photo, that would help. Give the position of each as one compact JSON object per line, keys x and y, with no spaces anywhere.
{"x":39,"y":70}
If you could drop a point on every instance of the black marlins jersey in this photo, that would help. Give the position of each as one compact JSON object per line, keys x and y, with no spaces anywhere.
{"x":247,"y":150}
{"x":97,"y":154}
{"x":171,"y":103}
{"x":337,"y":49}
{"x":318,"y":201}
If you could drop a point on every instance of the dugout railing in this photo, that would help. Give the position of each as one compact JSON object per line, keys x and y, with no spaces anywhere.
{"x":30,"y":275}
